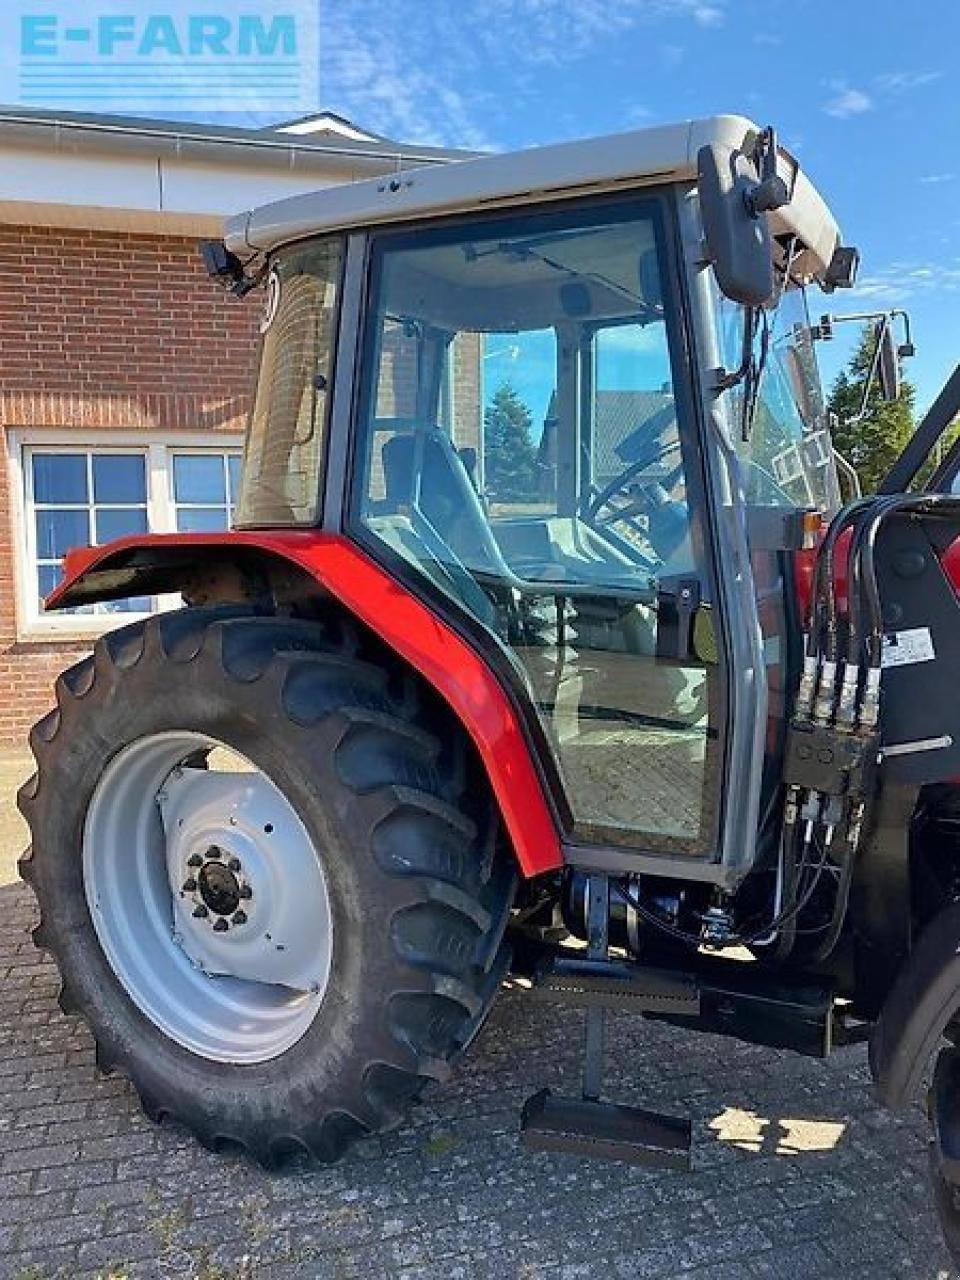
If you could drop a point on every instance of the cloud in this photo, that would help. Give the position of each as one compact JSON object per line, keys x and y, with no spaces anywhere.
{"x":932,"y":179}
{"x":900,"y":81}
{"x":708,"y":15}
{"x":898,"y":282}
{"x":848,"y":102}
{"x":461,"y":75}
{"x":637,"y":116}
{"x":851,"y":101}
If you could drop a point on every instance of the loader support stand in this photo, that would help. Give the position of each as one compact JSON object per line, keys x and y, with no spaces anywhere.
{"x":597,"y":921}
{"x":587,"y":1126}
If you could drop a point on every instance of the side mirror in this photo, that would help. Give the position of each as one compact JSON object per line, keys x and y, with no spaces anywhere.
{"x":888,"y":365}
{"x":738,"y":240}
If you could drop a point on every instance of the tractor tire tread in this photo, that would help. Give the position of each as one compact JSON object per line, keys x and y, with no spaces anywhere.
{"x":420,"y":816}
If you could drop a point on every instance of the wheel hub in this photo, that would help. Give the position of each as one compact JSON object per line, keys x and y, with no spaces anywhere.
{"x":208,"y":897}
{"x":215,"y":883}
{"x":239,"y":863}
{"x":219,"y":888}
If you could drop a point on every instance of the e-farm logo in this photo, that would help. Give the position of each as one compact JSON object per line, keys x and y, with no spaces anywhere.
{"x":182,"y":56}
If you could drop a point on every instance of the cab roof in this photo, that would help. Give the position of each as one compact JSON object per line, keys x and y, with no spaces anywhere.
{"x":666,"y":153}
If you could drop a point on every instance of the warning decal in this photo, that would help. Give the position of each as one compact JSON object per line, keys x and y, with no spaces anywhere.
{"x":904,"y":648}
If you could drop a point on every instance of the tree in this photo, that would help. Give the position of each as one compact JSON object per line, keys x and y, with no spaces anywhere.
{"x":873,"y":443}
{"x":510,"y":459}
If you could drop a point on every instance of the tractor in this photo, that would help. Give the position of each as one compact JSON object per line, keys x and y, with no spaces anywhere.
{"x":552,"y":638}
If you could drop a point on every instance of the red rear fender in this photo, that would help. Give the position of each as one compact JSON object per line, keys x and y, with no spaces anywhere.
{"x":143,"y":565}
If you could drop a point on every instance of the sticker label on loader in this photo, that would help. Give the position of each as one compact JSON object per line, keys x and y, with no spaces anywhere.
{"x":904,"y":648}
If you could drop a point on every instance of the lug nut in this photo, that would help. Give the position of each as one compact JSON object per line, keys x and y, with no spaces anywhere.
{"x":234,"y":864}
{"x":195,"y":860}
{"x":246,"y":892}
{"x":214,"y":852}
{"x":220,"y":926}
{"x":200,"y":911}
{"x":189,"y":885}
{"x":239,"y":917}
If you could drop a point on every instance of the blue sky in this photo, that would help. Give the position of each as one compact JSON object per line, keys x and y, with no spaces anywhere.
{"x":863,"y":92}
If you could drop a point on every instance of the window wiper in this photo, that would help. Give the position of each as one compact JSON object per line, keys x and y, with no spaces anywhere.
{"x":754,"y":377}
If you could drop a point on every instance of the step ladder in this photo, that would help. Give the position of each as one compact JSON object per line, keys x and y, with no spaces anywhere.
{"x":587,"y":1125}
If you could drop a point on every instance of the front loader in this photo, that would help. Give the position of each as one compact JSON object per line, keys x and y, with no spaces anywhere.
{"x":544,"y":641}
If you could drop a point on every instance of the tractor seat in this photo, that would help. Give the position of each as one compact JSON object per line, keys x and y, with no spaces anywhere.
{"x":447,"y":497}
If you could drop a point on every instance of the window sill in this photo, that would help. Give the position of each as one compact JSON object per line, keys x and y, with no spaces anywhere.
{"x":71,"y":630}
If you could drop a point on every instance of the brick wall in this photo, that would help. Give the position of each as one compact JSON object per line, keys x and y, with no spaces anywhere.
{"x":105,"y":330}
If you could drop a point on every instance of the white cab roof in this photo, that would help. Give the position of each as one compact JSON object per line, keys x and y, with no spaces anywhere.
{"x":667,"y":153}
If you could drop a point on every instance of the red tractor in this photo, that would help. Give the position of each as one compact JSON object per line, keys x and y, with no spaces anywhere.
{"x":544,"y":641}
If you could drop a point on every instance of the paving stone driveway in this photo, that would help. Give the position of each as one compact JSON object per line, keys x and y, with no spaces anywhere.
{"x":796,"y":1174}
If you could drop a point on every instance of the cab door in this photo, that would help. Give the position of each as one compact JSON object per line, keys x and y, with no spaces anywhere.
{"x":552,"y":500}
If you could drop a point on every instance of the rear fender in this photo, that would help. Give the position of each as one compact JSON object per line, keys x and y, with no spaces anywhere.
{"x":242,"y":565}
{"x":923,"y":1000}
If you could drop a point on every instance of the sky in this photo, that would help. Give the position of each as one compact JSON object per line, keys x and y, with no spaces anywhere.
{"x":862,"y":92}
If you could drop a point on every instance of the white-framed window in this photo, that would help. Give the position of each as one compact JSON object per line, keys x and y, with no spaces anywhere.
{"x":71,"y":494}
{"x":204,"y":485}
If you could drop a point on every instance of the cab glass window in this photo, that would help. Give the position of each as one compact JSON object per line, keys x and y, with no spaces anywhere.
{"x":523,"y":456}
{"x":285,"y":435}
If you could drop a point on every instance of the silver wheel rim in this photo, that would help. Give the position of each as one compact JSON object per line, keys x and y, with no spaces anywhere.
{"x":208,"y":897}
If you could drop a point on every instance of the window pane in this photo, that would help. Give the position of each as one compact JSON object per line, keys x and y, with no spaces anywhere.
{"x":59,"y":477}
{"x":58,"y":531}
{"x":235,"y":464}
{"x":48,"y":575}
{"x":287,"y":425}
{"x":119,"y":477}
{"x":120,"y":523}
{"x":201,"y":519}
{"x":136,"y":604}
{"x":519,"y":421}
{"x":199,"y":479}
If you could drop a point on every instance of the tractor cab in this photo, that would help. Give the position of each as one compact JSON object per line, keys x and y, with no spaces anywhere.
{"x":557,"y":428}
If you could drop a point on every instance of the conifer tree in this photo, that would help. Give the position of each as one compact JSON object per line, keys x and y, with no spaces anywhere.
{"x":510,"y":459}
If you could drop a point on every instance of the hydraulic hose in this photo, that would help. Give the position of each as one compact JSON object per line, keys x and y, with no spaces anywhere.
{"x":935,"y":504}
{"x":863,"y":589}
{"x":835,"y":925}
{"x":816,"y":693}
{"x":823,"y":598}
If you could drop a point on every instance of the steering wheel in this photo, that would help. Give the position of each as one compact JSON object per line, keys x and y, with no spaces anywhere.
{"x":602,"y":510}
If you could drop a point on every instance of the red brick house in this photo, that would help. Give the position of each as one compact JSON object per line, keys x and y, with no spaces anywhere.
{"x":124,"y":372}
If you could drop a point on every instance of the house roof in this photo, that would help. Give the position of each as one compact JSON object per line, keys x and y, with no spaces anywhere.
{"x":330,"y":122}
{"x":113,"y":172}
{"x":119,"y":131}
{"x":618,"y":416}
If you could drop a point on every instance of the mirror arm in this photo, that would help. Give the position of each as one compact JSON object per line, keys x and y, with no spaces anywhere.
{"x":771,"y":192}
{"x":906,"y":348}
{"x":849,"y":472}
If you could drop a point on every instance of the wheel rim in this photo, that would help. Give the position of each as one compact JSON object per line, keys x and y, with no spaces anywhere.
{"x":208,"y":897}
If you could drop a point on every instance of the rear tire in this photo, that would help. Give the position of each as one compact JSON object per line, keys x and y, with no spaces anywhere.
{"x":946,"y":1201}
{"x":402,"y":822}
